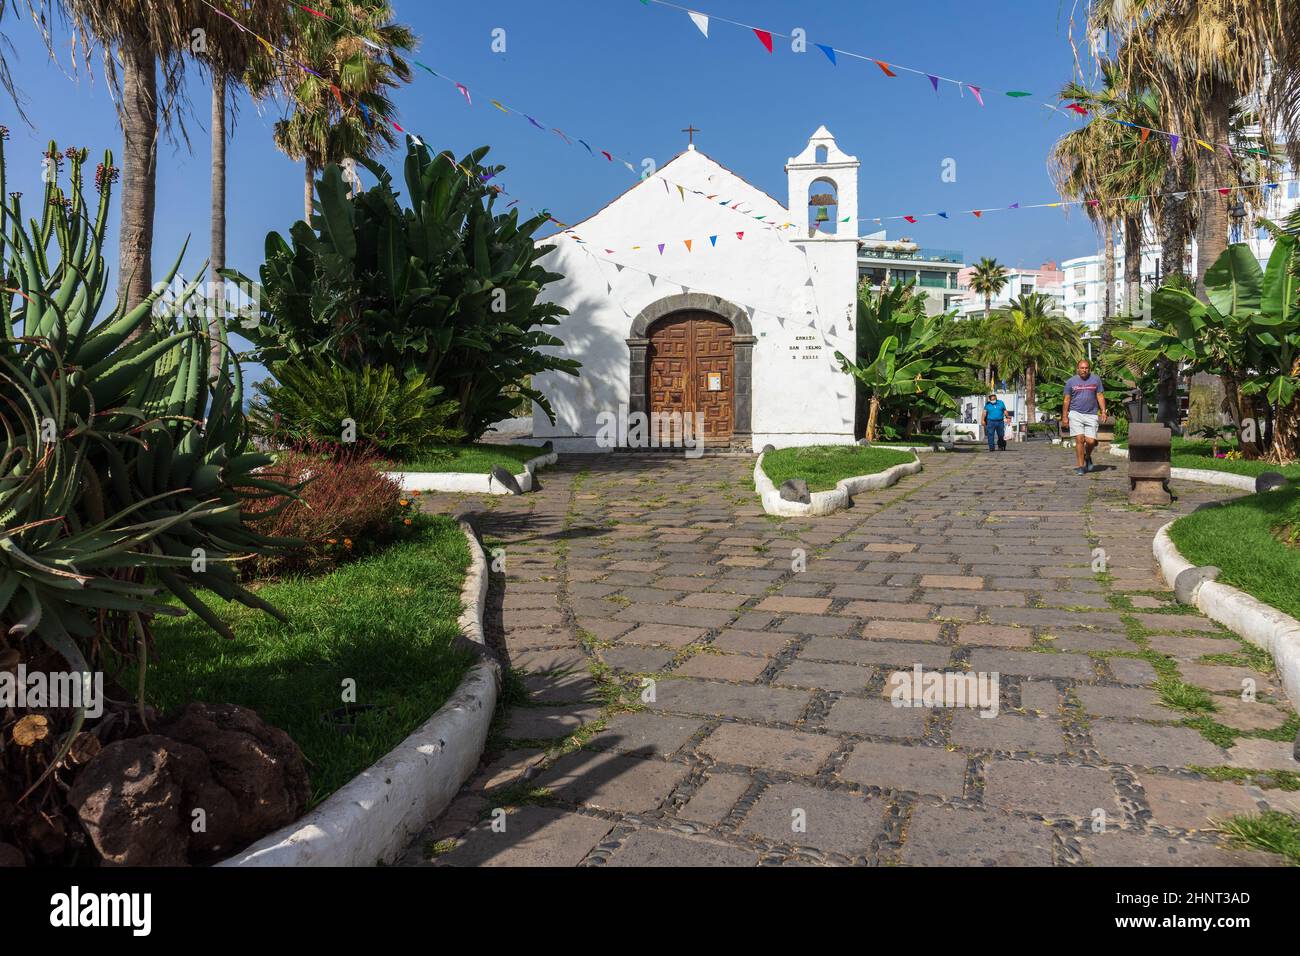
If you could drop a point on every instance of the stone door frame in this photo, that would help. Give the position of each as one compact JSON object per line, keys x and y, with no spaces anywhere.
{"x":742,"y":341}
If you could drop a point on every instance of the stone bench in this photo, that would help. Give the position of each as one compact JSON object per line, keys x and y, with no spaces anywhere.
{"x":1149,"y":447}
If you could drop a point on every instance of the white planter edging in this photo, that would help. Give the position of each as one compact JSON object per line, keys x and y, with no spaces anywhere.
{"x":1257,"y":622}
{"x":371,"y":819}
{"x":1226,"y":478}
{"x":479,"y":484}
{"x":826,"y":502}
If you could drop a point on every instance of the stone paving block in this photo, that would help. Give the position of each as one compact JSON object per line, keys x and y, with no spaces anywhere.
{"x":956,"y":612}
{"x":739,"y":641}
{"x":698,"y":617}
{"x":1172,"y":623}
{"x":1248,"y":715}
{"x":1050,"y":789}
{"x":1190,"y":648}
{"x":994,"y":635}
{"x":795,"y":605}
{"x":551,"y":688}
{"x":635,"y":659}
{"x":1146,"y":745}
{"x":603,"y":629}
{"x":731,"y":667}
{"x":534,"y":836}
{"x":1054,"y":617}
{"x":1257,"y":754}
{"x":829,"y":820}
{"x":921,"y":769}
{"x":963,"y":581}
{"x":650,"y":847}
{"x":550,"y":660}
{"x":875,"y":717}
{"x":537,"y":723}
{"x":853,"y":650}
{"x":645,"y":734}
{"x":1130,"y":670}
{"x":1040,"y":695}
{"x":1222,"y":678}
{"x":746,"y":701}
{"x":889,"y":610}
{"x":837,"y":678}
{"x":975,"y":598}
{"x":1031,"y":664}
{"x":714,"y":600}
{"x":713,"y":799}
{"x":1007,"y":732}
{"x":947,"y":836}
{"x":672,"y":635}
{"x":611,"y":781}
{"x":1192,"y":804}
{"x":902,"y":631}
{"x":1086,"y":641}
{"x":1128,"y":848}
{"x":1107,"y":701}
{"x":789,"y":750}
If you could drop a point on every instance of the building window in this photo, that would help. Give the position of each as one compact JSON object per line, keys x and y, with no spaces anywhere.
{"x":1293,"y":190}
{"x":933,"y":280}
{"x":1026,"y":289}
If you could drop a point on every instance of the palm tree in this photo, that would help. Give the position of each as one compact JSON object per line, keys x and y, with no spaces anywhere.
{"x":988,"y":278}
{"x":1030,"y":336}
{"x":342,"y":113}
{"x":1203,"y":57}
{"x":149,"y":38}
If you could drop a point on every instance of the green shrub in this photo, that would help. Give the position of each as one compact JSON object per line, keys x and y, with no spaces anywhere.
{"x":1121,"y":429}
{"x":315,"y":401}
{"x":447,"y":288}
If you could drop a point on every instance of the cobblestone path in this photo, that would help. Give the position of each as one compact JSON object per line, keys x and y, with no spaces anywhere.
{"x":769,"y":735}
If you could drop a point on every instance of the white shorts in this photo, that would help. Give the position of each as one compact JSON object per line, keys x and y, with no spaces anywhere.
{"x":1081,"y":423}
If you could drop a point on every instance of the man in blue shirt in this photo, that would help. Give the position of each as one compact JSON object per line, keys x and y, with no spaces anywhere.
{"x":1084,"y":405}
{"x":994,"y":421}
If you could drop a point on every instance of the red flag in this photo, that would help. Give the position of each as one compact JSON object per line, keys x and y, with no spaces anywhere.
{"x":1078,"y":109}
{"x":1224,"y":191}
{"x":885,"y":66}
{"x":765,"y":38}
{"x":314,"y":13}
{"x":740,"y":235}
{"x":607,"y":156}
{"x":1145,"y":133}
{"x":396,"y":127}
{"x":338,"y":95}
{"x":978,"y":212}
{"x":911,"y":219}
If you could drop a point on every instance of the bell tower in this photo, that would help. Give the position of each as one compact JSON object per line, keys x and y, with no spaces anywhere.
{"x":824,"y":181}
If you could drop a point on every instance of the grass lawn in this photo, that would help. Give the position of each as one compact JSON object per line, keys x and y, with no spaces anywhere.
{"x":386,"y":621}
{"x":472,"y":459}
{"x":1194,"y":453}
{"x":1245,"y":539}
{"x":824,"y":465}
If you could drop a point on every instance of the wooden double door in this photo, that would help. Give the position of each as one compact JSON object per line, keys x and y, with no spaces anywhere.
{"x":690,"y":367}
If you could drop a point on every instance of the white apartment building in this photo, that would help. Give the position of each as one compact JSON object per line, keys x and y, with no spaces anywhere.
{"x":1046,"y":280}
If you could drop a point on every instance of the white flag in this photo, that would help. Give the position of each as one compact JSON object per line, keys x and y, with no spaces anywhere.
{"x":701,"y":21}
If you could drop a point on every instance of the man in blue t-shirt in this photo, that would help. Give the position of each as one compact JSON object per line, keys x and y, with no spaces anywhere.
{"x":994,"y":421}
{"x":1083,"y":407}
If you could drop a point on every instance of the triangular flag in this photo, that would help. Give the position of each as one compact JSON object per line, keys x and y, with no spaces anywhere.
{"x":607,"y":156}
{"x":1078,"y":109}
{"x":765,"y":38}
{"x":1205,"y":144}
{"x":1145,"y":133}
{"x":610,"y":251}
{"x":978,"y":212}
{"x":560,"y":133}
{"x":461,"y":87}
{"x":911,"y":219}
{"x":885,"y":66}
{"x":630,"y":167}
{"x":534,"y":122}
{"x":828,"y":50}
{"x":846,"y":219}
{"x":1223,"y":191}
{"x":688,"y":244}
{"x":584,"y":143}
{"x":1180,"y":196}
{"x":740,"y":235}
{"x":700,"y":20}
{"x":661,"y":248}
{"x":365,"y":113}
{"x":934,"y":81}
{"x":618,"y":266}
{"x":652,"y":277}
{"x":681,"y":191}
{"x":943,"y":215}
{"x":1014,"y":205}
{"x":713,"y":240}
{"x":396,"y":127}
{"x":1017,"y":93}
{"x":419,"y":142}
{"x":429,"y":68}
{"x":1173,"y":143}
{"x":976,"y":90}
{"x":338,"y":95}
{"x":1270,"y":185}
{"x":499,"y":106}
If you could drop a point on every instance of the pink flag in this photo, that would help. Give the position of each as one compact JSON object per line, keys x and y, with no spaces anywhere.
{"x":976,"y":91}
{"x":461,"y":87}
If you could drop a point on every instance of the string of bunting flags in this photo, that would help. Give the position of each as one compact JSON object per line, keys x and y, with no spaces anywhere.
{"x":891,"y":70}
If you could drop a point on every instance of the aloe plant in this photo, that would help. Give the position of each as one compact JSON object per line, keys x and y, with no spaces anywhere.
{"x":125,"y":465}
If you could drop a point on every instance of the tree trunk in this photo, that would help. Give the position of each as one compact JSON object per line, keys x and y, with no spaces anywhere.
{"x":988,"y":304}
{"x":1214,"y":169}
{"x":1031,"y":395}
{"x":139,"y":113}
{"x":873,"y":414}
{"x":1232,"y":397}
{"x":307,"y":193}
{"x":1132,"y":265}
{"x":1108,"y":297}
{"x":1167,"y":394}
{"x":1286,"y":433}
{"x":218,"y":234}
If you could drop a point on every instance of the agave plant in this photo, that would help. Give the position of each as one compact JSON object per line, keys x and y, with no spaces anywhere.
{"x":125,"y":465}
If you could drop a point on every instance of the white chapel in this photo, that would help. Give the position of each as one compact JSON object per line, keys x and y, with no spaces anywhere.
{"x":696,"y":293}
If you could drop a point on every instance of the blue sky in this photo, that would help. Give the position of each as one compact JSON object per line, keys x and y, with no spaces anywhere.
{"x":627,"y":77}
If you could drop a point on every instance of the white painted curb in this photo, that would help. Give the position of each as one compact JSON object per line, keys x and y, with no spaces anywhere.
{"x":372,"y":818}
{"x":1210,"y":477}
{"x":478,"y":484}
{"x":1257,"y":622}
{"x":826,"y":502}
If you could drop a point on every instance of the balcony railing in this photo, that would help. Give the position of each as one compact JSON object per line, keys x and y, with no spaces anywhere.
{"x":922,"y":254}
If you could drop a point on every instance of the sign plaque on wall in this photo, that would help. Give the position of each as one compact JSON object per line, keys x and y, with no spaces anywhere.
{"x":715,"y":382}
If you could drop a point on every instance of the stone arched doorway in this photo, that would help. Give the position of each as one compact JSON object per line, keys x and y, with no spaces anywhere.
{"x":693,"y":353}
